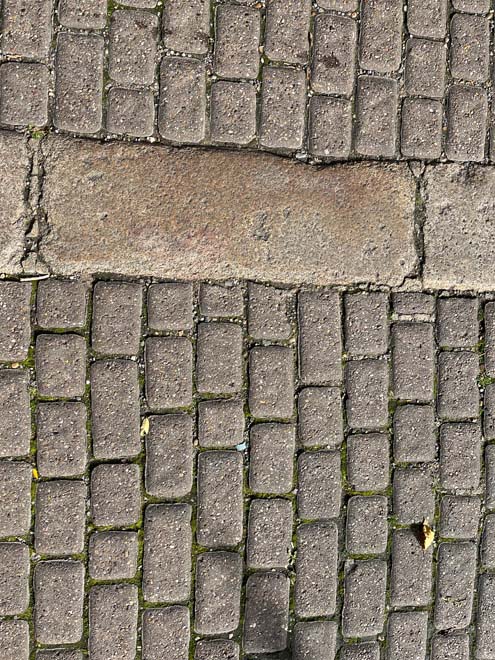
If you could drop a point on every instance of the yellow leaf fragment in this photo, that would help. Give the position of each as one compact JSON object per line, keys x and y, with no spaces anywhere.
{"x":35,"y":473}
{"x":427,"y":535}
{"x":145,"y":427}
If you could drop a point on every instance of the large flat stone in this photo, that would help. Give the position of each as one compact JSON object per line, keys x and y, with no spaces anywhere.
{"x":14,"y":170}
{"x":459,"y":230}
{"x":191,"y":213}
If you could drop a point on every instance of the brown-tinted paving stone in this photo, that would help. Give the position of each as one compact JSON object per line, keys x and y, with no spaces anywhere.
{"x":211,"y":649}
{"x":368,"y":461}
{"x":450,"y":647}
{"x":367,"y":393}
{"x":221,"y":299}
{"x":24,"y":94}
{"x":131,"y":112}
{"x":315,"y":640}
{"x":457,"y":322}
{"x":414,"y":434}
{"x":220,"y":423}
{"x":283,"y":99}
{"x":286,"y":31}
{"x":132,"y":47}
{"x":271,"y":458}
{"x":320,"y":417}
{"x":78,"y":82}
{"x":361,"y":651}
{"x":319,"y":492}
{"x":61,"y":439}
{"x":376,"y":102}
{"x":237,"y":36}
{"x":334,"y":55}
{"x":116,"y":325}
{"x":474,"y":6}
{"x":460,"y":456}
{"x":269,"y":534}
{"x":167,"y":553}
{"x":14,"y":639}
{"x":181,"y":113}
{"x":113,"y":614}
{"x":267,"y":613}
{"x":469,"y":49}
{"x":169,"y":367}
{"x":26,"y":28}
{"x":83,"y":14}
{"x":455,"y":585}
{"x":233,"y":112}
{"x":381,"y":35}
{"x":270,"y":312}
{"x":219,"y":358}
{"x":320,"y":344}
{"x":186,"y":25}
{"x":61,"y":365}
{"x":364,"y":598}
{"x":485,"y":637}
{"x":421,"y":129}
{"x":115,"y":495}
{"x":60,"y":517}
{"x":166,"y":632}
{"x":330,"y":127}
{"x":413,"y":366}
{"x":60,"y":654}
{"x":15,"y":429}
{"x":15,"y":495}
{"x":425,"y":68}
{"x":466,"y":122}
{"x":458,"y":394}
{"x":61,"y":304}
{"x":366,"y":529}
{"x":271,"y":382}
{"x":410,"y":578}
{"x":459,"y":517}
{"x":220,"y":503}
{"x":15,"y":324}
{"x":169,"y":456}
{"x":427,"y":18}
{"x":58,"y":597}
{"x":366,"y":324}
{"x":113,"y":555}
{"x":413,"y":494}
{"x":407,"y":635}
{"x":170,"y":306}
{"x":14,"y":578}
{"x":115,"y":409}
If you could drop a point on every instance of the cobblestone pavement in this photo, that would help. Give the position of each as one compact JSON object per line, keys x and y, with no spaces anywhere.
{"x":328,"y":79}
{"x":242,"y":470}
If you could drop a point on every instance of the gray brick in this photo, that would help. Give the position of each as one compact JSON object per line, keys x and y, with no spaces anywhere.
{"x":113,"y":555}
{"x":366,"y":324}
{"x":330,"y":127}
{"x":407,"y":635}
{"x":425,"y":68}
{"x":413,"y":364}
{"x":60,"y":654}
{"x":233,"y":112}
{"x":410,"y":577}
{"x":167,"y":553}
{"x":267,"y":613}
{"x":219,"y":358}
{"x":83,"y":14}
{"x":315,"y":639}
{"x":113,"y":613}
{"x":339,"y":5}
{"x":15,"y":495}
{"x":488,"y":542}
{"x":320,"y":344}
{"x":116,"y":318}
{"x":169,"y":367}
{"x":414,"y":434}
{"x":413,"y":494}
{"x":367,"y":394}
{"x":460,"y":456}
{"x":115,"y":409}
{"x":334,"y":55}
{"x":272,"y":458}
{"x":237,"y":37}
{"x":316,"y":570}
{"x":212,"y":649}
{"x":485,"y":632}
{"x":220,"y":423}
{"x":59,"y":598}
{"x":459,"y":517}
{"x":469,"y":48}
{"x":457,"y":322}
{"x":186,"y":25}
{"x":115,"y":495}
{"x":218,"y":593}
{"x":473,"y":6}
{"x":450,"y":647}
{"x":181,"y":114}
{"x":14,"y":639}
{"x":455,"y":585}
{"x":458,"y":394}
{"x":376,"y":128}
{"x":413,"y":303}
{"x":15,"y":323}
{"x":363,"y":614}
{"x":132,"y":47}
{"x":490,"y":476}
{"x":61,"y":365}
{"x":380,"y":45}
{"x":61,"y":439}
{"x":15,"y":429}
{"x":24,"y":98}
{"x":490,"y":338}
{"x":467,"y":120}
{"x":319,"y":492}
{"x":320,"y":417}
{"x":60,"y":517}
{"x":367,"y":528}
{"x":269,"y":534}
{"x":170,"y":306}
{"x":271,"y":382}
{"x":361,"y":651}
{"x":166,"y":633}
{"x":169,"y":456}
{"x":368,"y":461}
{"x":283,"y":100}
{"x":61,"y":304}
{"x":26,"y":28}
{"x":225,"y":300}
{"x":131,"y":112}
{"x":427,"y":18}
{"x":421,"y":128}
{"x":79,"y":82}
{"x":286,"y":31}
{"x":14,"y":578}
{"x":220,"y":503}
{"x":270,"y":312}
